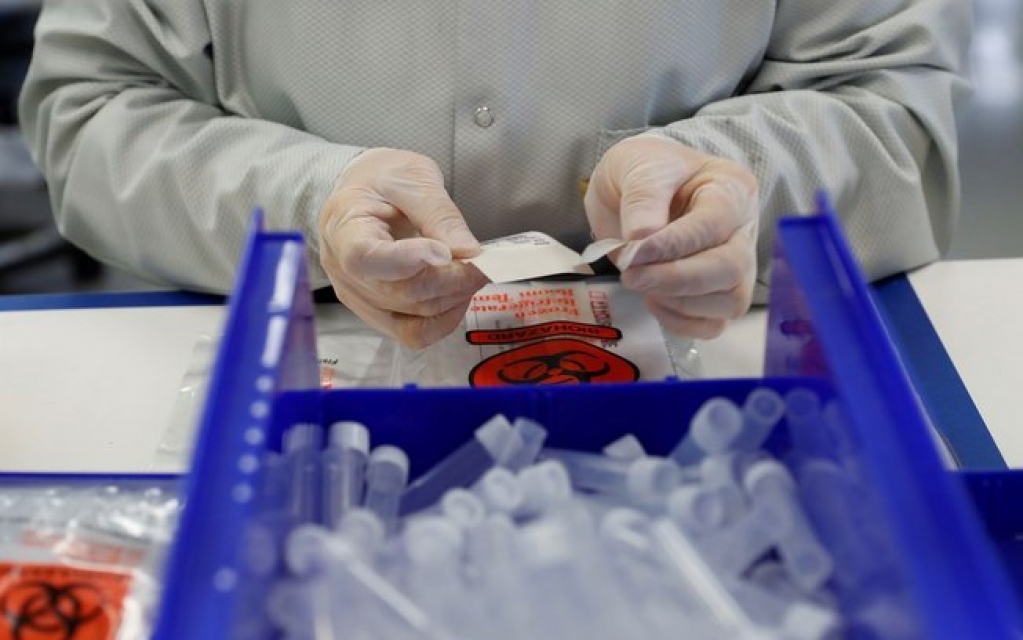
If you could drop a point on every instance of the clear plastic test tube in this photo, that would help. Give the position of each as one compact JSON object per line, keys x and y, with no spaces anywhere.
{"x":761,"y":412}
{"x":698,"y":580}
{"x":501,"y":580}
{"x":273,"y":518}
{"x":768,"y":482}
{"x":858,"y":554}
{"x":733,"y":549}
{"x":630,"y":550}
{"x":302,"y":443}
{"x":795,"y":619}
{"x":462,"y":467}
{"x":626,"y":530}
{"x":363,"y":530}
{"x":545,"y":487}
{"x":591,"y":472}
{"x":344,"y":469}
{"x":571,"y":589}
{"x":501,"y":491}
{"x":627,"y":448}
{"x":713,"y":429}
{"x":772,"y":576}
{"x":721,"y":473}
{"x":434,"y":547}
{"x":386,"y":477}
{"x":289,"y":607}
{"x":805,"y":421}
{"x":273,"y":493}
{"x":523,"y":449}
{"x":696,"y":508}
{"x":462,"y":508}
{"x":646,"y":480}
{"x":349,"y":597}
{"x":835,"y":422}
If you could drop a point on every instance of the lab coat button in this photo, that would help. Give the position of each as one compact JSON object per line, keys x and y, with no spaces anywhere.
{"x":484,"y":118}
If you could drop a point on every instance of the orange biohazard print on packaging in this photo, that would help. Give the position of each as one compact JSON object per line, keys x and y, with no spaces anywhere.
{"x":55,"y":602}
{"x":557,"y":361}
{"x":543,"y":330}
{"x":558,"y":332}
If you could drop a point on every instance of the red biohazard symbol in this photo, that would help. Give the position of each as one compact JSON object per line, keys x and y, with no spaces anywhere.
{"x":558,"y":361}
{"x":43,"y":602}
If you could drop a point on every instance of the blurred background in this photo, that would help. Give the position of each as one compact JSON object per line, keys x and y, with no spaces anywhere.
{"x":34,"y":259}
{"x":991,"y":136}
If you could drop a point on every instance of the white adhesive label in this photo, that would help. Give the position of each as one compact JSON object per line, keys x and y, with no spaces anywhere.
{"x":529,"y":255}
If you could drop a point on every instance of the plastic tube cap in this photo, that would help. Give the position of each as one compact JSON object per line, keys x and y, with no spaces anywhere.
{"x":652,"y":478}
{"x":501,"y":490}
{"x":432,"y":539}
{"x":310,"y":548}
{"x":696,"y":508}
{"x":802,"y":403}
{"x":548,"y":541}
{"x":627,"y":526}
{"x":804,"y":621}
{"x":462,"y":508}
{"x":716,"y":425}
{"x":545,"y":483}
{"x":493,"y":434}
{"x":765,"y":404}
{"x":303,"y":436}
{"x":767,"y":474}
{"x":387,"y":464}
{"x":362,"y":528}
{"x":349,"y":434}
{"x":531,"y":430}
{"x":628,"y":447}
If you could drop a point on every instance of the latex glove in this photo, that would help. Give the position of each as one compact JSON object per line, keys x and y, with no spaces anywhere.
{"x":691,"y":220}
{"x":388,"y":234}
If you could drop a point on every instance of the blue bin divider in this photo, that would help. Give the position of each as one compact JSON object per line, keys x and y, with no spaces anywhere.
{"x":268,"y":347}
{"x":960,"y":587}
{"x":934,"y":567}
{"x":87,"y":479}
{"x":998,"y":495}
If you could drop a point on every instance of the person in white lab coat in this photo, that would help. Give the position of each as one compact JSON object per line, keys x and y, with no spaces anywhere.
{"x":398,"y":134}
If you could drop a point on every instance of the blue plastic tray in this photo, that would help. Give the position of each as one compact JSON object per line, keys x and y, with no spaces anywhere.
{"x":941,"y":569}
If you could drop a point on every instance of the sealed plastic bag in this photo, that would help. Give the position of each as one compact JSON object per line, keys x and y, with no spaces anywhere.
{"x":176,"y":442}
{"x":83,"y":560}
{"x":551,"y":332}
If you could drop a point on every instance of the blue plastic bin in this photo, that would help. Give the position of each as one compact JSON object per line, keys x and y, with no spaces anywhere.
{"x":936,"y":566}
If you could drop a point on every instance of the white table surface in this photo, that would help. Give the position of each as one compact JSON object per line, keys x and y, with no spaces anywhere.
{"x":975,"y":307}
{"x":94,"y":389}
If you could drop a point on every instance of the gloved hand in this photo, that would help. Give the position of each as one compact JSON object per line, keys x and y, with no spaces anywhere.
{"x":691,"y":222}
{"x":388,"y":234}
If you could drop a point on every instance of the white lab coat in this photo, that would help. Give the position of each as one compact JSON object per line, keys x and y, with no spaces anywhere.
{"x":160,"y":124}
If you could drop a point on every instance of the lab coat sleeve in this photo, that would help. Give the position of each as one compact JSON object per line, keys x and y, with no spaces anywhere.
{"x":856,"y":98}
{"x":145,"y":169}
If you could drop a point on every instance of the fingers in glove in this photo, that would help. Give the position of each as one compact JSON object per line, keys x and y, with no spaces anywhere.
{"x":411,"y":330}
{"x":724,"y":305}
{"x":631,"y":190}
{"x":409,"y":297}
{"x":727,"y":267}
{"x":386,"y":260}
{"x":419,"y":331}
{"x":454,"y":281}
{"x":715,"y":211}
{"x":418,"y":192}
